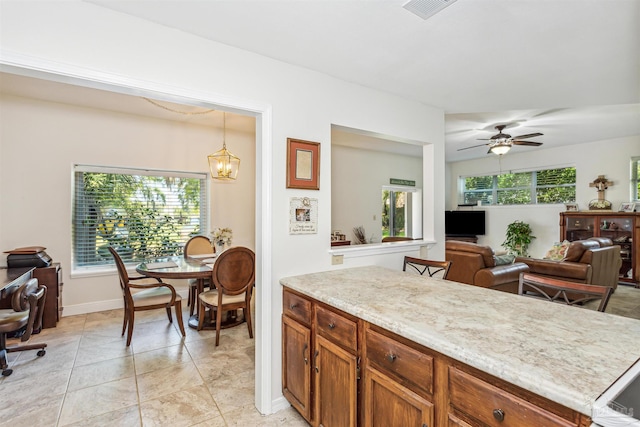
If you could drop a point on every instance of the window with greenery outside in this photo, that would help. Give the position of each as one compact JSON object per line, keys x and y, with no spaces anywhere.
{"x":536,"y":187}
{"x":142,"y":216}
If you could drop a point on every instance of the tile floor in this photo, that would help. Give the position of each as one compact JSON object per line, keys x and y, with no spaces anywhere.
{"x":90,"y":378}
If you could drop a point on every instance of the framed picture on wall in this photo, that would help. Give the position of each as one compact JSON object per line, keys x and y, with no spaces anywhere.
{"x":303,"y":215}
{"x":303,"y":164}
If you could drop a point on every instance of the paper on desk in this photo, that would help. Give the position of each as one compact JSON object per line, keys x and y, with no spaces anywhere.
{"x":163,"y":264}
{"x":201,"y":256}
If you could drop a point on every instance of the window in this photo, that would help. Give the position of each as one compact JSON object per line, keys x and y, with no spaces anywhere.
{"x":635,"y":179}
{"x":536,"y":187}
{"x":400,"y":206}
{"x":142,"y":214}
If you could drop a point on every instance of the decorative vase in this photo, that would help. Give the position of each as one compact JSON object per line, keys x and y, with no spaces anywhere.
{"x":220,"y":247}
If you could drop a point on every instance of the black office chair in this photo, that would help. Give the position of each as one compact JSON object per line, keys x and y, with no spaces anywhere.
{"x":27,"y":308}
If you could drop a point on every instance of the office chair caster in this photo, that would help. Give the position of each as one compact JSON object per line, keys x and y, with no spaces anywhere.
{"x":7,"y":372}
{"x":41,"y":353}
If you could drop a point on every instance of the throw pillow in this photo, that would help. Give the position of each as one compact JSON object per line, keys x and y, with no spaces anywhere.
{"x":558,"y":251}
{"x":504,"y":259}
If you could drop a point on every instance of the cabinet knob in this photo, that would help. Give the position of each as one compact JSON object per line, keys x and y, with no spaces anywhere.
{"x":391,"y":357}
{"x":292,"y":306}
{"x":498,"y":414}
{"x":332,"y":325}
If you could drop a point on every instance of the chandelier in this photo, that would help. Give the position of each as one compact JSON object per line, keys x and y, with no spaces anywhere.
{"x":223,"y":164}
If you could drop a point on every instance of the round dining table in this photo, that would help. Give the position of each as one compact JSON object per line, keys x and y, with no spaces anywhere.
{"x":181,"y":268}
{"x":192,"y":267}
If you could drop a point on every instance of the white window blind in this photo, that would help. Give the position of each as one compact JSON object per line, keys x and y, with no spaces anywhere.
{"x":143,"y":214}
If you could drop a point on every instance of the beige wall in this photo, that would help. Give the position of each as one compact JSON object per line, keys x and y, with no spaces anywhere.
{"x":41,"y":141}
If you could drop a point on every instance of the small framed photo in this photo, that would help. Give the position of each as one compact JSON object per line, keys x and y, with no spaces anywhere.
{"x":303,"y":215}
{"x":303,"y":164}
{"x":627,"y":207}
{"x":572,"y":207}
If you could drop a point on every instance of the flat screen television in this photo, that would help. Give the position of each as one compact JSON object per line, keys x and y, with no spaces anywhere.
{"x":464,"y":223}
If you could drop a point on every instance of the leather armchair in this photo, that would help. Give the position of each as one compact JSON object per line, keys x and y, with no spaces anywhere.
{"x":592,"y":261}
{"x":475,"y":264}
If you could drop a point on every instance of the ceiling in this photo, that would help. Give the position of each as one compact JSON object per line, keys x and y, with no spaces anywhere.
{"x":569,"y":69}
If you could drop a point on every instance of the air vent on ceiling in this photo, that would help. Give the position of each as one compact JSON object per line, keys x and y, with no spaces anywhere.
{"x":426,"y":8}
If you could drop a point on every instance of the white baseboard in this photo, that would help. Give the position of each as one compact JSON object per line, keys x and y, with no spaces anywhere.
{"x":279,"y":404}
{"x":94,"y":307}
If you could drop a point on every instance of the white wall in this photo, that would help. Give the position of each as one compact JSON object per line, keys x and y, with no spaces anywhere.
{"x":358,"y":176}
{"x":610,"y":158}
{"x":98,"y":43}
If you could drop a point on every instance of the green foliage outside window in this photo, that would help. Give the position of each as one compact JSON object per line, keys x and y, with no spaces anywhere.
{"x":142,"y":217}
{"x":544,"y":186}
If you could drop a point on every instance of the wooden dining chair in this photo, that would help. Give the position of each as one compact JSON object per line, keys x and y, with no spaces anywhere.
{"x":197,"y":245}
{"x":428,"y":266}
{"x":556,"y":290}
{"x":155,"y":294}
{"x":233,"y":277}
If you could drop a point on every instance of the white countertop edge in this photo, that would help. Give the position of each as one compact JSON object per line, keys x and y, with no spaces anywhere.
{"x":353,"y":251}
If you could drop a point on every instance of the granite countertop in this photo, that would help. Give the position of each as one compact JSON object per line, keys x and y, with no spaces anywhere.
{"x":567,"y":354}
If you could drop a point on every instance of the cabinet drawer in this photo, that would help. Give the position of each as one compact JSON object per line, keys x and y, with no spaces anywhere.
{"x":399,"y":360}
{"x":296,"y":307}
{"x":496,"y":407}
{"x":336,"y":328}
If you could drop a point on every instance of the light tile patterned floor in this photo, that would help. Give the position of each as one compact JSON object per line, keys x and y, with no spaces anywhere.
{"x":90,"y":378}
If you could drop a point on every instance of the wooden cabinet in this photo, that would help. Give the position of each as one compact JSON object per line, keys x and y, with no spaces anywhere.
{"x":51,"y":277}
{"x":296,"y":353}
{"x":319,"y":362}
{"x":623,"y":228}
{"x":403,"y":383}
{"x":398,"y":383}
{"x":492,"y":406}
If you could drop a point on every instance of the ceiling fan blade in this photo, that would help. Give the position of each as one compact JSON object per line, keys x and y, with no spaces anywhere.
{"x":533,"y":143}
{"x":529,"y":135}
{"x":473,"y":146}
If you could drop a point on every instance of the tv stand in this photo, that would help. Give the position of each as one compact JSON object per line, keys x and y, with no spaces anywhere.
{"x":472,"y":239}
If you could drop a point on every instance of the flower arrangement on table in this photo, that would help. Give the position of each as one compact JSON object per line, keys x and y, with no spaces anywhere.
{"x":222,"y":236}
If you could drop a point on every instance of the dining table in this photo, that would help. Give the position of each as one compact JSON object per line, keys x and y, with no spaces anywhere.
{"x":197,"y":267}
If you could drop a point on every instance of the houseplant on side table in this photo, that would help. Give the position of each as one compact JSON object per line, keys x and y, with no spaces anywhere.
{"x":519,"y":236}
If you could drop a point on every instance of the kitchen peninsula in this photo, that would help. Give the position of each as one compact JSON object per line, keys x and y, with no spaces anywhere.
{"x":382,"y":347}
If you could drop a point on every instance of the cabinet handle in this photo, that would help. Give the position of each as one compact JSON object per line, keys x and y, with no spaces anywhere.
{"x":498,"y":414}
{"x":304,"y":350}
{"x":358,"y":369}
{"x":391,"y":357}
{"x":315,"y":361}
{"x":332,"y":325}
{"x":292,"y":306}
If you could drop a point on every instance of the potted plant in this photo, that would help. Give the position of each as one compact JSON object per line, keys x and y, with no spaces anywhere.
{"x":518,"y":238}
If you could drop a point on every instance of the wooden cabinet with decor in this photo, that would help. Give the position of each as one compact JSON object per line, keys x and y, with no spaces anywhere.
{"x":51,"y":277}
{"x":623,"y":228}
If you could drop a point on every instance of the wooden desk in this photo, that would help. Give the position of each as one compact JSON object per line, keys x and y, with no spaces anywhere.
{"x":11,"y":278}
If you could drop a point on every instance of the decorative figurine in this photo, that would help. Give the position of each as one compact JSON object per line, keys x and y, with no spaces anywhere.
{"x":600,"y":204}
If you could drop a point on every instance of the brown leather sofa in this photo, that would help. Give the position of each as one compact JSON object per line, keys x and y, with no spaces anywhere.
{"x":475,"y":264}
{"x":593,"y":261}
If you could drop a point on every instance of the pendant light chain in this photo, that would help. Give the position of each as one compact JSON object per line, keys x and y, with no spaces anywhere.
{"x":186,"y":113}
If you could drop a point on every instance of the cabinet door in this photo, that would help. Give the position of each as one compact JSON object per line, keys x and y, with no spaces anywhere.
{"x":296,"y":369}
{"x":387,"y":403}
{"x":335,"y":385}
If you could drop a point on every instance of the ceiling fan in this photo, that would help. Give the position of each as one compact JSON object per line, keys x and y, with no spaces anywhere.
{"x":501,"y":143}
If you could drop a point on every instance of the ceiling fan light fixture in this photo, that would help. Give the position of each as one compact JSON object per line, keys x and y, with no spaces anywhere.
{"x":500,"y":149}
